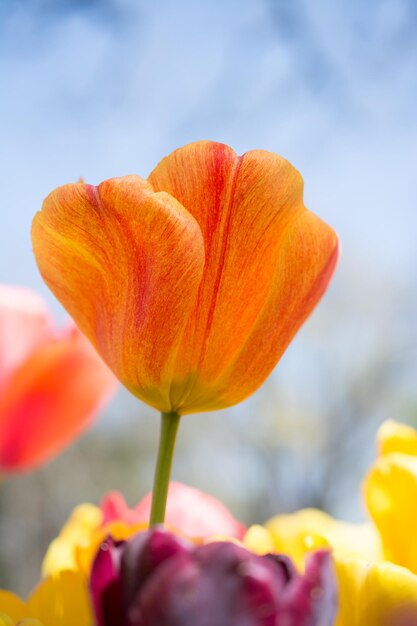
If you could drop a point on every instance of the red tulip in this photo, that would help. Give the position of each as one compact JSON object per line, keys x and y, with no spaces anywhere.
{"x":51,"y":382}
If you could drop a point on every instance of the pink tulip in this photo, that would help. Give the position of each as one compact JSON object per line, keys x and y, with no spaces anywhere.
{"x":190,"y":511}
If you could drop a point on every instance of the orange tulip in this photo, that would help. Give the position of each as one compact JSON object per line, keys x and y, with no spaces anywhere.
{"x":51,"y":383}
{"x":190,"y":284}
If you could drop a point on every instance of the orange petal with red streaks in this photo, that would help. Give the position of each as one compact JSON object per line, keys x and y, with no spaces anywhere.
{"x":126,"y":263}
{"x":268,"y":262}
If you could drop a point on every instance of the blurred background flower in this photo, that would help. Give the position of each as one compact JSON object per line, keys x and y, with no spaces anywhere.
{"x":107,"y":87}
{"x":52,"y":383}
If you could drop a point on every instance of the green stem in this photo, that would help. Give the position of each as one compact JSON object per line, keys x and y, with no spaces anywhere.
{"x":168,"y":434}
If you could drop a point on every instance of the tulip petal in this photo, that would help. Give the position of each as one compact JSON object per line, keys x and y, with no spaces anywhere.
{"x":62,"y":600}
{"x":78,"y":530}
{"x":375,"y":595}
{"x":390,"y":491}
{"x":396,"y":437}
{"x":50,"y":399}
{"x":194,"y":513}
{"x":105,"y":588}
{"x":309,"y":529}
{"x":12,"y":606}
{"x":306,"y":262}
{"x":25,"y":324}
{"x":126,"y":263}
{"x":268,"y":261}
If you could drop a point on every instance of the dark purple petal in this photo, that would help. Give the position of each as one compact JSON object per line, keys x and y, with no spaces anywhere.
{"x":311,"y":599}
{"x":216,"y":584}
{"x":320,"y":581}
{"x":105,"y":584}
{"x":143,"y":554}
{"x":285,"y":564}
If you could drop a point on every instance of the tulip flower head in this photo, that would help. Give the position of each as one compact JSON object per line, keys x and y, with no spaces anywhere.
{"x":158,"y":578}
{"x":52,"y":382}
{"x":190,"y":284}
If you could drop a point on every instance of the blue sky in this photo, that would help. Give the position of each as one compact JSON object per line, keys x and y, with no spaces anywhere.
{"x":98,"y":89}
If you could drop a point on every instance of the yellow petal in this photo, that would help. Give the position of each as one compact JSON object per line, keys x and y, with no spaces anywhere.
{"x":310,"y":529}
{"x":259,"y":540}
{"x":12,"y":606}
{"x":396,"y":437}
{"x":390,"y":491}
{"x":86,"y":551}
{"x":62,"y":600}
{"x":371,"y":595}
{"x":5,"y":620}
{"x":78,"y":531}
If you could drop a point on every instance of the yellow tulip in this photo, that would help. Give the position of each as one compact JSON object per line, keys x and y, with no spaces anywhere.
{"x":372,"y":592}
{"x":59,"y":600}
{"x":390,"y":491}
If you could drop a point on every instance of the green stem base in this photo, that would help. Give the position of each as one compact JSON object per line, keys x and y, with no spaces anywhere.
{"x":168,"y":434}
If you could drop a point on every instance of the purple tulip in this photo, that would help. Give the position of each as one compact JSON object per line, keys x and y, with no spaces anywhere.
{"x":159,"y":579}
